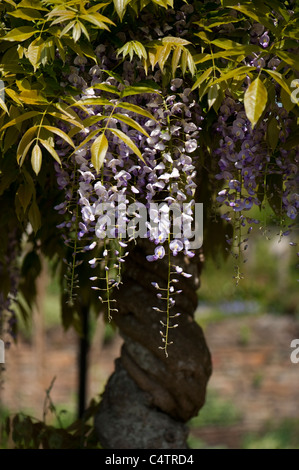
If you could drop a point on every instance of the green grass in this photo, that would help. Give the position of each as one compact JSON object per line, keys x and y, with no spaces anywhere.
{"x":221,"y":413}
{"x":284,"y":435}
{"x":4,"y":413}
{"x":216,"y":412}
{"x":270,"y":282}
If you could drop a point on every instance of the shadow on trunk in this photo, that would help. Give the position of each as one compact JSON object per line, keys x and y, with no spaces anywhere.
{"x":149,"y":397}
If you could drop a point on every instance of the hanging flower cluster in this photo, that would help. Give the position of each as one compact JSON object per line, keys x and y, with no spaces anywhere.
{"x":150,"y":145}
{"x":97,"y":208}
{"x":249,"y":171}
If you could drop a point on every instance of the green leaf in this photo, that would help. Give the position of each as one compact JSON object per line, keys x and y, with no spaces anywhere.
{"x":67,"y":28}
{"x":13,"y":95}
{"x":253,"y":13}
{"x":279,"y":79}
{"x":130,"y":122}
{"x":90,"y":121}
{"x":106,"y":87}
{"x":61,"y":134}
{"x":136,"y":90}
{"x":190,"y":63}
{"x":28,"y":14}
{"x":67,"y":118}
{"x":184,"y":61}
{"x":175,"y":59}
{"x":94,"y":101}
{"x":32,"y":97}
{"x":226,"y":54}
{"x":120,"y":7}
{"x":77,"y":31}
{"x":213,"y":94}
{"x":124,"y":105}
{"x":162,"y":55}
{"x":51,"y":150}
{"x":97,"y":19}
{"x":11,"y":137}
{"x":162,"y":3}
{"x":136,"y":109}
{"x":218,"y":21}
{"x":11,"y":2}
{"x":24,"y":194}
{"x":34,"y":52}
{"x":255,"y":100}
{"x":20,"y":34}
{"x":114,"y":75}
{"x":90,"y":136}
{"x":289,"y":58}
{"x":60,"y":48}
{"x":127,"y":49}
{"x":174,"y":41}
{"x":36,"y":4}
{"x":140,"y":50}
{"x":122,"y":136}
{"x":202,"y":78}
{"x":62,"y":16}
{"x":25,"y":144}
{"x":288,"y":100}
{"x":239,"y":72}
{"x":274,"y":184}
{"x":34,"y":217}
{"x":226,"y":43}
{"x":133,"y":46}
{"x":273,"y":133}
{"x":97,"y":7}
{"x":19,"y":119}
{"x":98,"y":151}
{"x":36,"y":159}
{"x":291,"y":142}
{"x":67,"y":110}
{"x":86,"y":50}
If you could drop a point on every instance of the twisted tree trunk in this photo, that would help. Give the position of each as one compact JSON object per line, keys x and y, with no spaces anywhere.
{"x":150,"y":397}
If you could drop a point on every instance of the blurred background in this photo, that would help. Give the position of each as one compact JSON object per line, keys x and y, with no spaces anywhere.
{"x":253,"y":394}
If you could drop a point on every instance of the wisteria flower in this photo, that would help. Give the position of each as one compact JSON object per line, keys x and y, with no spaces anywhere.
{"x":291,"y":212}
{"x":264,"y":40}
{"x":237,"y":205}
{"x":191,"y":145}
{"x":159,"y":254}
{"x":235,"y":184}
{"x":176,"y":246}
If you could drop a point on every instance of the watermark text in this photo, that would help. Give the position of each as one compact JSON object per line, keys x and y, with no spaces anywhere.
{"x":295,"y":353}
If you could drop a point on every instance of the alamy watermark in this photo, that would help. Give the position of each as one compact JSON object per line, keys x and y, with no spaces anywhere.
{"x":157,"y":222}
{"x":295,"y":93}
{"x":2,"y":352}
{"x":2,"y":91}
{"x":295,"y":354}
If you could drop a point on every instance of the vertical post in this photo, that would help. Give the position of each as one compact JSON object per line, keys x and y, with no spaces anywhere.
{"x":83,"y":360}
{"x":38,"y":315}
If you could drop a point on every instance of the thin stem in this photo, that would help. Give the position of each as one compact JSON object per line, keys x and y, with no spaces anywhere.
{"x":107,"y":289}
{"x":168,"y":299}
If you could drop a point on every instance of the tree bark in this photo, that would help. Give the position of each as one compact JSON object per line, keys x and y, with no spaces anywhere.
{"x":150,"y":397}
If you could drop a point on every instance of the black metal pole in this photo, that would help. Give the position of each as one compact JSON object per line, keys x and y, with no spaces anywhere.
{"x":83,"y":360}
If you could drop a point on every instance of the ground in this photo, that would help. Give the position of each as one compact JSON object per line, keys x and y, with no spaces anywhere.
{"x":253,"y":389}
